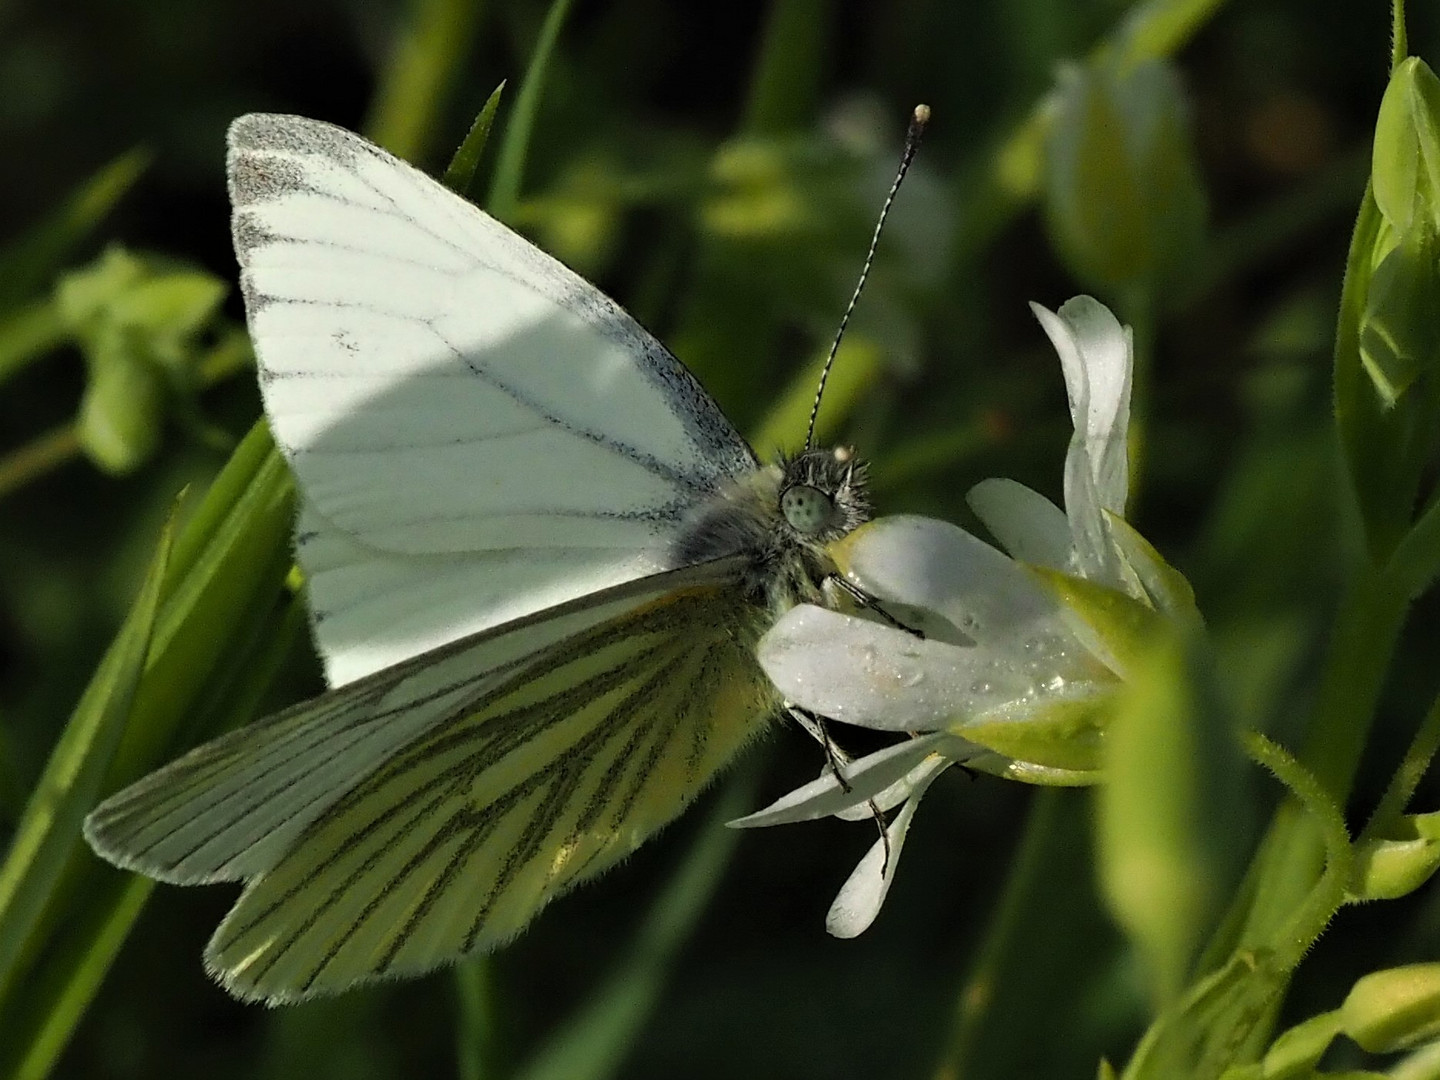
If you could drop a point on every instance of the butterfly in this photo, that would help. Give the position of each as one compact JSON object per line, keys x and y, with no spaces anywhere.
{"x":539,"y":559}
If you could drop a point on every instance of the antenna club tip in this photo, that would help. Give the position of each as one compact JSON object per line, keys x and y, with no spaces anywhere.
{"x":921,"y":116}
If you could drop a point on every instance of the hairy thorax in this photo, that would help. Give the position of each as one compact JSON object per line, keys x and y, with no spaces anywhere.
{"x":780,"y":519}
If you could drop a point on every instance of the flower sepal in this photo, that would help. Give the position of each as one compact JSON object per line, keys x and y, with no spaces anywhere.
{"x":1058,"y":736}
{"x":1115,"y":627}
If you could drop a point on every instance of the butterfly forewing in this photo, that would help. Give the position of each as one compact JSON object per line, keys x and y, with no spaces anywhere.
{"x":444,"y":389}
{"x":556,"y":771}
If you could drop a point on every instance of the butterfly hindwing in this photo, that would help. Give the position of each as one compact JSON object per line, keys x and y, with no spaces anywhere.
{"x":556,"y":771}
{"x":228,"y":809}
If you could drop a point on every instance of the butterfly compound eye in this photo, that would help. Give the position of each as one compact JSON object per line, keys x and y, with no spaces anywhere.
{"x":808,"y":509}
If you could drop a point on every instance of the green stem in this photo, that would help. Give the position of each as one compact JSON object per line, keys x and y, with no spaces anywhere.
{"x":1407,"y":777}
{"x":476,"y":1029}
{"x":1365,"y":632}
{"x":1310,"y":920}
{"x":972,"y":1005}
{"x":38,"y":457}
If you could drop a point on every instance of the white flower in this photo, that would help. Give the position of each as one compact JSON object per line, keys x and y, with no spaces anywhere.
{"x":1020,"y":653}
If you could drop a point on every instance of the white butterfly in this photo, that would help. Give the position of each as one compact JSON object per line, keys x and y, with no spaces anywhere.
{"x":539,"y":559}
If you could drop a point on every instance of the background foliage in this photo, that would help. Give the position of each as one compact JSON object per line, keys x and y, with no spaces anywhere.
{"x":716,"y":167}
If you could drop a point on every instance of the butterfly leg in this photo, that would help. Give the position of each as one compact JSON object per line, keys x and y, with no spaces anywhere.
{"x":819,"y":730}
{"x":868,"y":602}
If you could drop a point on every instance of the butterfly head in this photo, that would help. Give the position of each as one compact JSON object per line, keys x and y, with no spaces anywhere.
{"x":822,"y":494}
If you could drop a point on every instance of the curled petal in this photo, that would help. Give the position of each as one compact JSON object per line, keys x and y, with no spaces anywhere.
{"x":1096,"y":354}
{"x":902,"y":789}
{"x":863,"y":893}
{"x":867,"y":777}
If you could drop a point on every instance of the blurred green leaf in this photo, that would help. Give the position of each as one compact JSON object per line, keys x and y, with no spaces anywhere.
{"x":27,"y":266}
{"x":28,"y":333}
{"x":789,"y":67}
{"x":857,"y":366}
{"x":137,"y":321}
{"x":123,"y":409}
{"x":1172,"y":819}
{"x":1123,"y":195}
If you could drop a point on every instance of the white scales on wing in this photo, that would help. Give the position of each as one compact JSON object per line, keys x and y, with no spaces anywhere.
{"x":477,"y":433}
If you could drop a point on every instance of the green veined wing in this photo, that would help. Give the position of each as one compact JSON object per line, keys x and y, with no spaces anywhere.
{"x":544,"y":769}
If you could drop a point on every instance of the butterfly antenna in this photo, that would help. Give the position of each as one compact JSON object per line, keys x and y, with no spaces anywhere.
{"x":918,"y":120}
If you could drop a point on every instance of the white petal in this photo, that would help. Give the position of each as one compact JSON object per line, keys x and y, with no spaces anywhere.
{"x":866,"y":673}
{"x":1077,"y":387}
{"x":863,"y":893}
{"x":1028,"y":525}
{"x":1094,"y":558}
{"x":866,"y":776}
{"x":934,"y":565}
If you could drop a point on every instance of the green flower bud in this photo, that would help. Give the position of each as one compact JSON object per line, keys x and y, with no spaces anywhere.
{"x":1406,"y":162}
{"x":1393,"y":866}
{"x":1124,"y":199}
{"x":1394,"y":1009}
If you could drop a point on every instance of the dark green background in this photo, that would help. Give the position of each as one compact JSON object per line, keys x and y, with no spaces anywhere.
{"x":1237,"y":484}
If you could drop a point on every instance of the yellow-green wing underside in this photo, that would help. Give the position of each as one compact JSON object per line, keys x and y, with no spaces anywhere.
{"x":431,"y":809}
{"x":547,"y":778}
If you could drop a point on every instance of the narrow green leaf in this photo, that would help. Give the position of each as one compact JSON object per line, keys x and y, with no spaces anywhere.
{"x":515,"y":145}
{"x":857,"y":365}
{"x":228,"y":567}
{"x":71,"y":974}
{"x":790,"y":68}
{"x":460,"y":173}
